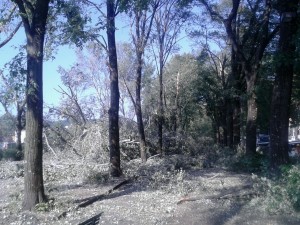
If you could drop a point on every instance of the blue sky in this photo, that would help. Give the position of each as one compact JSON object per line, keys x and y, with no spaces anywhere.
{"x":65,"y":57}
{"x":51,"y":79}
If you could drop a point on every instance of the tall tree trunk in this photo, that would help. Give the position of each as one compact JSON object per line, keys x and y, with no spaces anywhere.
{"x":177,"y":122}
{"x":236,"y":121}
{"x":19,"y":127}
{"x":236,"y":83}
{"x":160,"y":109}
{"x":281,"y":99}
{"x":34,"y":188}
{"x":34,"y":20}
{"x":143,"y":25}
{"x":229,"y":122}
{"x":138,"y":108}
{"x":223,"y":123}
{"x":251,"y":124}
{"x":114,"y":145}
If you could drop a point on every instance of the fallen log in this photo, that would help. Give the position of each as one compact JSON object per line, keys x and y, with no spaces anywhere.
{"x":92,"y":221}
{"x":91,"y":200}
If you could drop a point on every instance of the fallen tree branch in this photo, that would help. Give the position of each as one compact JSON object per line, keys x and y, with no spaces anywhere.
{"x":49,"y":146}
{"x":248,"y":195}
{"x":151,"y":157}
{"x":91,"y":200}
{"x":92,"y":221}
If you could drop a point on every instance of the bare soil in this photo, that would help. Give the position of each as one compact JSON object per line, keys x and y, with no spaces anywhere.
{"x":211,"y":196}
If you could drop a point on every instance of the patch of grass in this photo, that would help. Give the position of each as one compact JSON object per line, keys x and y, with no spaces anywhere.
{"x":45,"y":206}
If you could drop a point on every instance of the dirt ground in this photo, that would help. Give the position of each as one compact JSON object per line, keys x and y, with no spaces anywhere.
{"x":216,"y":196}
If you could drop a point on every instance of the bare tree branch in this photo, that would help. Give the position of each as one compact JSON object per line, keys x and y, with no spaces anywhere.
{"x":12,"y":34}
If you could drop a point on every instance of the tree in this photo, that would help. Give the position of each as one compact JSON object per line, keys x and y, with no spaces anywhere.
{"x":213,"y":85}
{"x":9,"y":25}
{"x":217,"y":82}
{"x":34,"y":17}
{"x":281,"y":100}
{"x":168,"y":22}
{"x":143,"y":13}
{"x":13,"y":90}
{"x":248,"y":47}
{"x":180,"y":76}
{"x":12,"y":95}
{"x":114,"y":145}
{"x":7,"y":127}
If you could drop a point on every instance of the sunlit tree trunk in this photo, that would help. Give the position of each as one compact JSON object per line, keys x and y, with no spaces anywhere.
{"x":34,"y":21}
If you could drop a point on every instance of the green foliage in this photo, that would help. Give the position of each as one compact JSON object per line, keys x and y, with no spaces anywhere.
{"x":291,"y":181}
{"x":129,"y":5}
{"x":97,"y":177}
{"x":281,"y":194}
{"x":14,"y":81}
{"x":67,"y":24}
{"x":45,"y":206}
{"x":7,"y":126}
{"x":251,"y":164}
{"x":264,"y":94}
{"x":12,"y":154}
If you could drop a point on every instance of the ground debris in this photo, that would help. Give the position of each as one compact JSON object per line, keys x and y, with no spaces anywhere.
{"x":150,"y":199}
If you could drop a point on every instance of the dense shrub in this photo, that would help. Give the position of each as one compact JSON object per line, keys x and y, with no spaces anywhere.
{"x":281,"y":194}
{"x":291,"y":182}
{"x":257,"y":163}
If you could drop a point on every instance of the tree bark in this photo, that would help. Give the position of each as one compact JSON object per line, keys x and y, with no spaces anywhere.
{"x":114,"y":145}
{"x":138,"y":108}
{"x":34,"y":20}
{"x":229,"y":121}
{"x":251,"y":73}
{"x":140,"y":39}
{"x":160,"y":106}
{"x":236,"y":121}
{"x":282,"y":90}
{"x":19,"y":126}
{"x":236,"y":104}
